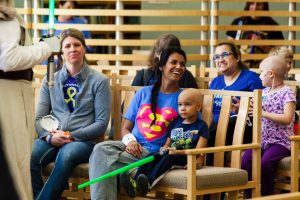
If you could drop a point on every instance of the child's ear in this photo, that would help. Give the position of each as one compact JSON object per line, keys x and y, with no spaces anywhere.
{"x":271,"y":74}
{"x":160,"y":68}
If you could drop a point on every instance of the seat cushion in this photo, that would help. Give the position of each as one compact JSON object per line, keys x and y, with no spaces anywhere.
{"x":285,"y":164}
{"x":80,"y":171}
{"x":207,"y":177}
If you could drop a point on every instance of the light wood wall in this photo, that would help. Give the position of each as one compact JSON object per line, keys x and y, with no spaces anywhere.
{"x":205,"y":25}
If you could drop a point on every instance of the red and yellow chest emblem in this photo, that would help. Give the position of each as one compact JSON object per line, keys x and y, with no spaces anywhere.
{"x":163,"y":119}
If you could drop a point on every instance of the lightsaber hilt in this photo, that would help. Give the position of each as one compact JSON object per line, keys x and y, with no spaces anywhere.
{"x":50,"y":65}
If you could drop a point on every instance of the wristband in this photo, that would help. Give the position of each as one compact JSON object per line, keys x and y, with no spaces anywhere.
{"x":128,"y":138}
{"x":49,"y":139}
{"x":46,"y":138}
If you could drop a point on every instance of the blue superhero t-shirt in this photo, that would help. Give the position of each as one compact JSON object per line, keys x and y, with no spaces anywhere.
{"x":139,"y":112}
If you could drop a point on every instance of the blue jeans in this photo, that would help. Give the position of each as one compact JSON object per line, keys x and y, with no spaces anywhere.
{"x":65,"y":157}
{"x":106,"y":157}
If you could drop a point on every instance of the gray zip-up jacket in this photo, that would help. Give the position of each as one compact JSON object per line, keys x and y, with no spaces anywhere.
{"x":93,"y":105}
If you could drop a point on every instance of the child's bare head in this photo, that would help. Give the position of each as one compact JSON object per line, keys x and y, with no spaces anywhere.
{"x":273,"y":67}
{"x":286,"y":53}
{"x":189,"y":103}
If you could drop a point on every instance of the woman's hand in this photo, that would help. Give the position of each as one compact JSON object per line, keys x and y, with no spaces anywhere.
{"x":134,"y":148}
{"x":59,"y":138}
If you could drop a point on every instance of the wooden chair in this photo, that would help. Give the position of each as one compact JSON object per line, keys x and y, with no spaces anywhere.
{"x":216,"y":179}
{"x":288,"y":172}
{"x":289,"y":196}
{"x":121,"y":94}
{"x":203,"y":82}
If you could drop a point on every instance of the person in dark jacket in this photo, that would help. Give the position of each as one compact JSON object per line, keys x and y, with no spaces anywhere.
{"x":253,"y":34}
{"x":145,"y":77}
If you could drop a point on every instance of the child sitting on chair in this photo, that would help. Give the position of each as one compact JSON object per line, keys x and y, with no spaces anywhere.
{"x":185,"y":132}
{"x":288,"y":56}
{"x":278,"y":109}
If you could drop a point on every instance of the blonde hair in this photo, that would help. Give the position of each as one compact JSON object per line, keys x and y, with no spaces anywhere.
{"x":163,"y":42}
{"x":192,"y":94}
{"x":276,"y":63}
{"x":283,"y":51}
{"x":8,"y":3}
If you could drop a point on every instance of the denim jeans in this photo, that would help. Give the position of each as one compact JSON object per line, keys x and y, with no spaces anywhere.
{"x":106,"y":157}
{"x":65,"y":157}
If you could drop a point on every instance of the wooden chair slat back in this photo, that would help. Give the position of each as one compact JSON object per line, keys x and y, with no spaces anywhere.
{"x":239,"y":130}
{"x":123,"y":94}
{"x":242,"y":118}
{"x":222,"y":129}
{"x":203,"y":82}
{"x":207,"y":106}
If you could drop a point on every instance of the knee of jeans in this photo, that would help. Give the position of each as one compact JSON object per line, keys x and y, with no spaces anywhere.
{"x":37,"y":153}
{"x":99,"y":149}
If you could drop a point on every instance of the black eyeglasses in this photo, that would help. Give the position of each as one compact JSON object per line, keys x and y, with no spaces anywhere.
{"x":224,"y":54}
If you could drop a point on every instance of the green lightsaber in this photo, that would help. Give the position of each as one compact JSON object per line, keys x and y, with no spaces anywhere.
{"x":51,"y":14}
{"x":118,"y":171}
{"x":51,"y":65}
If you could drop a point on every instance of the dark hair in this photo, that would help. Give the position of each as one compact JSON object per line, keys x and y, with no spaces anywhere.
{"x":265,"y":4}
{"x":162,"y":62}
{"x":164,"y":41}
{"x":71,"y":32}
{"x":63,"y":2}
{"x":236,"y":53}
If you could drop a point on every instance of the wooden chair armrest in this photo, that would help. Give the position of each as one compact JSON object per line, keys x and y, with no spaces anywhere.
{"x":218,"y":149}
{"x":295,"y":138}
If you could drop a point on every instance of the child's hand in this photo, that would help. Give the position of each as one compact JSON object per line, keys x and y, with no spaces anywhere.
{"x":236,"y":105}
{"x":163,"y":148}
{"x":250,"y":112}
{"x":199,"y":161}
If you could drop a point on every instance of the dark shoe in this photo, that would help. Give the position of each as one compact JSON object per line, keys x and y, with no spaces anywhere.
{"x":129,"y":184}
{"x":142,"y":185}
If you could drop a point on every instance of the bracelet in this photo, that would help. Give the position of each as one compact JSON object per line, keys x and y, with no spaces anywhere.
{"x":128,"y":138}
{"x":49,"y":139}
